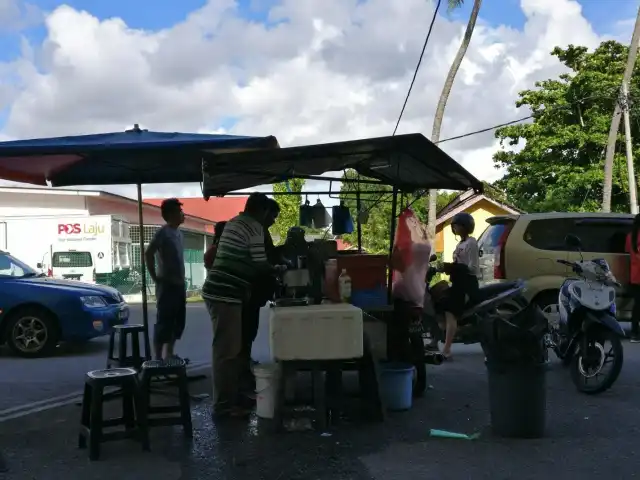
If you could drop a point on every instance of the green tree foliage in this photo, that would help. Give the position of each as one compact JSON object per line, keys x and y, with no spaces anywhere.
{"x":289,"y":207}
{"x":560,"y":161}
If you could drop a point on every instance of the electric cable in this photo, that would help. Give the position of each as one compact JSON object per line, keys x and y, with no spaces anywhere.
{"x":415,"y":72}
{"x":413,"y":81}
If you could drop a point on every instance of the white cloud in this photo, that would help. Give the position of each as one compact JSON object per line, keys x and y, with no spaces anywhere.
{"x":334,"y":70}
{"x":16,"y":15}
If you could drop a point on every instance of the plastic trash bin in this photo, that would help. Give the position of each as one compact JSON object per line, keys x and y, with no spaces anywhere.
{"x":518,"y":399}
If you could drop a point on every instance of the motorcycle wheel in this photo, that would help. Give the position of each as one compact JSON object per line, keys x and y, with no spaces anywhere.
{"x":582,"y":365}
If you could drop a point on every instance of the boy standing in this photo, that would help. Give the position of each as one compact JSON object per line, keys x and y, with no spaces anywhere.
{"x":167,"y":250}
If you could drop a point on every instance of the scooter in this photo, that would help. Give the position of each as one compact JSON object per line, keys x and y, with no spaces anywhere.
{"x":586,"y":322}
{"x":487,"y":300}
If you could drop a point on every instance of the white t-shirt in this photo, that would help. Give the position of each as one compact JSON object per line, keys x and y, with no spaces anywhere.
{"x":467,"y":253}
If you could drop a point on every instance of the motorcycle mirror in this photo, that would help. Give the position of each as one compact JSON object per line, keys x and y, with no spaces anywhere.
{"x":433,"y":258}
{"x":572,"y":241}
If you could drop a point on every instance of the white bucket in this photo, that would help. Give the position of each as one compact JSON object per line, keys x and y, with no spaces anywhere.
{"x":267,"y":376}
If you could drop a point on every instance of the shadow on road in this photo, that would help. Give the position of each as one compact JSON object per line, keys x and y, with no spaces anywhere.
{"x":68,"y":349}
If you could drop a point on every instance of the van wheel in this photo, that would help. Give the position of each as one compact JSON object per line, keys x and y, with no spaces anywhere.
{"x":32,"y":332}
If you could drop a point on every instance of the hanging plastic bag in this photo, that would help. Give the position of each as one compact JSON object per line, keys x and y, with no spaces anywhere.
{"x":402,"y":251}
{"x":321,"y":218}
{"x":342,"y":221}
{"x":410,"y":258}
{"x":306,"y":215}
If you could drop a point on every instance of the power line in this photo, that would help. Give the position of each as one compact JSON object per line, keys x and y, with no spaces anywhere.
{"x":413,"y":81}
{"x":512,"y":122}
{"x":415,"y":73}
{"x":488,"y":129}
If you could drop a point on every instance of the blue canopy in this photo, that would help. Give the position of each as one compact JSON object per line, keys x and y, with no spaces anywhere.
{"x":131,"y":157}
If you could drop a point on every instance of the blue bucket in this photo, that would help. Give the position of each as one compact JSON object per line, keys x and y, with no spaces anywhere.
{"x":396,"y":385}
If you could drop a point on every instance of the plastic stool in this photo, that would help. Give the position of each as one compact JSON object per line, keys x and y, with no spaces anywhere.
{"x":92,"y":423}
{"x":175,"y":369}
{"x":124,"y":360}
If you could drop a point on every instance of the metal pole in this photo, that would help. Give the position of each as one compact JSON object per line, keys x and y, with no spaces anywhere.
{"x":633,"y":194}
{"x":143,"y":273}
{"x":615,"y":121}
{"x":359,"y":224}
{"x":392,"y":231}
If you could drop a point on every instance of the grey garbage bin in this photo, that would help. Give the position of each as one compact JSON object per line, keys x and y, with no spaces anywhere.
{"x":518,"y":399}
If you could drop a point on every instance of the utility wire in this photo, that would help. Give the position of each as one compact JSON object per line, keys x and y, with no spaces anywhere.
{"x":512,"y":122}
{"x":488,"y":129}
{"x":413,"y":81}
{"x":415,"y":73}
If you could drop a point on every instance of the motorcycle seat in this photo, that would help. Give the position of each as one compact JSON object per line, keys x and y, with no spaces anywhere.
{"x":491,"y":290}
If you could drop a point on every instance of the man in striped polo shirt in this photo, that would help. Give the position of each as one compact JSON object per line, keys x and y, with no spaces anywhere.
{"x":240,"y":258}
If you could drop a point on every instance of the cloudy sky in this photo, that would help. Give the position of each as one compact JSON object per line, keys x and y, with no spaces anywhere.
{"x":307,"y":71}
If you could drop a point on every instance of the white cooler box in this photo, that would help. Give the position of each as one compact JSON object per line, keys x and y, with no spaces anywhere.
{"x":316,"y":332}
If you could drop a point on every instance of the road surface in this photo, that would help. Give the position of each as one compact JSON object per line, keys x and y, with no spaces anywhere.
{"x":25,"y":381}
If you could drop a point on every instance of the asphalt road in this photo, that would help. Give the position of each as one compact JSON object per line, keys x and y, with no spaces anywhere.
{"x":588,"y":437}
{"x":25,"y":381}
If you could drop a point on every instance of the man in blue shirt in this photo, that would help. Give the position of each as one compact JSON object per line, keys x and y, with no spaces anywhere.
{"x":165,"y":261}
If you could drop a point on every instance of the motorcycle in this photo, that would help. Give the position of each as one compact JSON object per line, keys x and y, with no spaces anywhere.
{"x":586,"y":321}
{"x":487,"y":299}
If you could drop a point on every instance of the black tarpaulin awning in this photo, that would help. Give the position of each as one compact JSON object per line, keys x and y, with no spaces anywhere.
{"x":410,"y":162}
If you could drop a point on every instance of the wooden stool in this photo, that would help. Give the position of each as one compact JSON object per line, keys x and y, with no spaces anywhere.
{"x":124,"y":360}
{"x":175,"y":369}
{"x":92,"y":423}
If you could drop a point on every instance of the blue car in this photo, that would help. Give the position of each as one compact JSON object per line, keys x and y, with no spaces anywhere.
{"x":38,"y":312}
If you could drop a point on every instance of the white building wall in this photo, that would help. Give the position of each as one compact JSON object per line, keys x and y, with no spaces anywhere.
{"x":129,"y":211}
{"x":18,"y":204}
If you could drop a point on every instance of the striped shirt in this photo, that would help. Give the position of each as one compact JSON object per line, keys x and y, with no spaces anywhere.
{"x":240,"y":257}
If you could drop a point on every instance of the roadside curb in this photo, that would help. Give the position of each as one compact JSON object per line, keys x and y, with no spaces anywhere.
{"x":63,"y":400}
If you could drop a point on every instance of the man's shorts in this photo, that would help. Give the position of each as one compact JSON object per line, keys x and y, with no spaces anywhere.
{"x":171,"y":303}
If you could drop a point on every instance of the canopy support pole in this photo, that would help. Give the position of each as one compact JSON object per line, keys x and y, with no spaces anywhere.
{"x":143,"y":275}
{"x":392,"y":234}
{"x":359,"y":224}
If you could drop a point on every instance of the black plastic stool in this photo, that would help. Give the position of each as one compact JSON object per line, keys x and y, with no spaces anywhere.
{"x":124,"y":360}
{"x":173,"y":369}
{"x":92,"y":421}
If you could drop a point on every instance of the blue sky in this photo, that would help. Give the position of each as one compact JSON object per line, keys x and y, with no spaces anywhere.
{"x":158,"y":14}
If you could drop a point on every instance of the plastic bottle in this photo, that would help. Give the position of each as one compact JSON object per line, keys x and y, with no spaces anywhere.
{"x":344,"y":285}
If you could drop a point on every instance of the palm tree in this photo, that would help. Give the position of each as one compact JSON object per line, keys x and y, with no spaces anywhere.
{"x":444,"y":96}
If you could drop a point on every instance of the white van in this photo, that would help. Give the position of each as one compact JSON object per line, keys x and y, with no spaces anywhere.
{"x":73,"y":265}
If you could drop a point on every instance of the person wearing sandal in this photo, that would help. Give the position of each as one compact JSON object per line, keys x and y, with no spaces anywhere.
{"x":463,"y":273}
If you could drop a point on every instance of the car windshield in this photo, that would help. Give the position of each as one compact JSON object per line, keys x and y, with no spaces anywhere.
{"x":12,"y":267}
